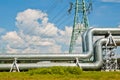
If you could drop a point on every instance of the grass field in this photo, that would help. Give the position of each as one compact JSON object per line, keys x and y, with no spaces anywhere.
{"x":75,"y":75}
{"x":84,"y":76}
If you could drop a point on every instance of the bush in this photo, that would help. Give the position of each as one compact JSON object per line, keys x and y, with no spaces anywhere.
{"x":56,"y":70}
{"x":74,"y":70}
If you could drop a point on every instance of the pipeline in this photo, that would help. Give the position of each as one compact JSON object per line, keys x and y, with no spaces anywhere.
{"x":95,"y":65}
{"x":97,"y":32}
{"x":88,"y":52}
{"x":84,"y":55}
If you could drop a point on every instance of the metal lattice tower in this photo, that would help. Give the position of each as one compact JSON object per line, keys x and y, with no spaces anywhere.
{"x":82,"y":8}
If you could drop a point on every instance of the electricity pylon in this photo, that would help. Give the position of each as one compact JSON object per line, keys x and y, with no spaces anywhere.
{"x":82,"y":8}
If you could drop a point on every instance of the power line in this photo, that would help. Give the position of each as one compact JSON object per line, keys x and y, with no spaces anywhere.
{"x":66,"y":20}
{"x":58,"y":19}
{"x":58,"y":13}
{"x":52,"y":7}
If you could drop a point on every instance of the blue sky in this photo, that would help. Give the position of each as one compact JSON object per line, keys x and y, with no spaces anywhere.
{"x":104,"y":14}
{"x":45,"y":25}
{"x":9,"y":9}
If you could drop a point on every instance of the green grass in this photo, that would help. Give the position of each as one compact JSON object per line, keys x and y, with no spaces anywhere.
{"x":84,"y":76}
{"x":59,"y":70}
{"x":60,"y":73}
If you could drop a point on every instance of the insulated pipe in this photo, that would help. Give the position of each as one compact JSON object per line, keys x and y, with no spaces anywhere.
{"x":51,"y":56}
{"x":98,"y":54}
{"x":95,"y":65}
{"x":35,"y":65}
{"x":98,"y":32}
{"x":84,"y":41}
{"x":84,"y":55}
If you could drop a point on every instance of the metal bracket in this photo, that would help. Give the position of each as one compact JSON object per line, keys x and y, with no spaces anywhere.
{"x":14,"y":67}
{"x":77,"y":62}
{"x":110,"y":40}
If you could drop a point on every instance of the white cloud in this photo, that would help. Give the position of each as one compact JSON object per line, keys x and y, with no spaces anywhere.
{"x":111,"y":0}
{"x":35,"y":22}
{"x":36,"y":35}
{"x":28,"y":20}
{"x":13,"y":39}
{"x":11,"y":36}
